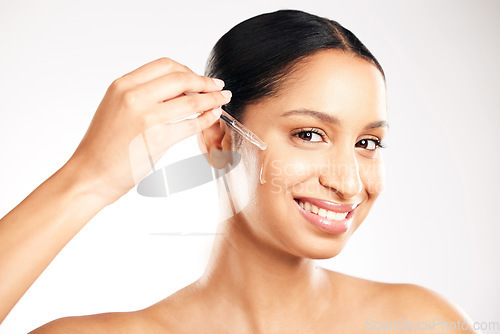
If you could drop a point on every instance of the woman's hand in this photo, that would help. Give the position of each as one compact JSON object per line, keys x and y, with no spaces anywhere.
{"x":132,"y":127}
{"x":128,"y":133}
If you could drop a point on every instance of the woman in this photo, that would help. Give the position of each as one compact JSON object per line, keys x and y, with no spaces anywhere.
{"x":312,"y":91}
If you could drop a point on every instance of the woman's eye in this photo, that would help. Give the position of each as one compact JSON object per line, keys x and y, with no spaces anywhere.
{"x":369,"y":144}
{"x":309,"y":135}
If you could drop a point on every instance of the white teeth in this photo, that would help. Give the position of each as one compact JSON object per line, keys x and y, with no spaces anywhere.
{"x":335,"y":215}
{"x":322,"y":212}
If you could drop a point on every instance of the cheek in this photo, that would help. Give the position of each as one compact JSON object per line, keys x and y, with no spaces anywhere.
{"x":372,"y":175}
{"x":288,"y":168}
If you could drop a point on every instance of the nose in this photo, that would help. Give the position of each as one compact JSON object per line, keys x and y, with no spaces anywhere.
{"x":342,"y":174}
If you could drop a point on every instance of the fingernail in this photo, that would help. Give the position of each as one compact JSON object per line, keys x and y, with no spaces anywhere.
{"x":218,"y":82}
{"x":217,"y":111}
{"x":227,"y":94}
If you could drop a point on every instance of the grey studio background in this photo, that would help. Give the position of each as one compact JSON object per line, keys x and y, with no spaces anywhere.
{"x":436,"y":225}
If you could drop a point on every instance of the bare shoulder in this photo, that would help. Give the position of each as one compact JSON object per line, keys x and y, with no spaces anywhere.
{"x":113,"y":322}
{"x":169,"y":315}
{"x":425,"y":307}
{"x":403,"y":305}
{"x":419,"y":300}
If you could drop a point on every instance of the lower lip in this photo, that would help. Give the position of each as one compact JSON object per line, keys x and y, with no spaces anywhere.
{"x":325,"y":224}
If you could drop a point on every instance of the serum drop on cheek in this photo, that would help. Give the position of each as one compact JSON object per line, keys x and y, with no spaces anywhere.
{"x":261,"y":178}
{"x":263,"y":168}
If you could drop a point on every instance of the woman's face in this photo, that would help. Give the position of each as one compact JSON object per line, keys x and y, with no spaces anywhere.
{"x":322,"y":131}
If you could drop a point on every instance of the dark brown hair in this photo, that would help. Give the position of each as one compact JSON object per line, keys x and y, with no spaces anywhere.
{"x":257,"y":54}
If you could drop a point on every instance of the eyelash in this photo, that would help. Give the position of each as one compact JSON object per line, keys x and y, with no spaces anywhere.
{"x":378,"y":142}
{"x":313,"y":130}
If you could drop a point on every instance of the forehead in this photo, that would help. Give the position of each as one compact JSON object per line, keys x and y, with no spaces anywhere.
{"x":335,"y":82}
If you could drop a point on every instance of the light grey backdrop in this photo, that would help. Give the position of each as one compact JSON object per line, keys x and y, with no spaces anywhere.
{"x":436,"y":224}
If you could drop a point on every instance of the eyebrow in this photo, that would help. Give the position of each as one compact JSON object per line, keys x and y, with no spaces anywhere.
{"x":312,"y":113}
{"x":377,"y":124}
{"x":332,"y":119}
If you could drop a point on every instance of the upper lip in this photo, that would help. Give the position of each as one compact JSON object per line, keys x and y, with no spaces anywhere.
{"x":329,"y":205}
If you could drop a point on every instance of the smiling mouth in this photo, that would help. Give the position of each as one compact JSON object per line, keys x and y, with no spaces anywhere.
{"x":322,"y":212}
{"x":328,"y":216}
{"x":325,"y":209}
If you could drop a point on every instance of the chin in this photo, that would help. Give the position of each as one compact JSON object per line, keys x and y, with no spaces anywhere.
{"x":319,"y":248}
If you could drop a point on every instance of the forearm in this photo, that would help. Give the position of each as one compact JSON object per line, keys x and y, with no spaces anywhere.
{"x":35,"y":231}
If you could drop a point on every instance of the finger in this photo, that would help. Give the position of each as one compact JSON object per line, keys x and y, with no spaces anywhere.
{"x":174,"y":84}
{"x":186,"y":128}
{"x":155,"y":69}
{"x":188,"y":105}
{"x":148,"y":147}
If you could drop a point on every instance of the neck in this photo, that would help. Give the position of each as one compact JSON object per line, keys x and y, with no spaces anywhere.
{"x":261,"y":283}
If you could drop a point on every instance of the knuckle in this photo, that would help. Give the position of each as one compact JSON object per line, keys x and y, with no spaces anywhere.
{"x":186,"y":69}
{"x":118,"y":85}
{"x":179,"y":77}
{"x":165,"y":61}
{"x":192,"y":102}
{"x":129,"y":97}
{"x":172,"y":65}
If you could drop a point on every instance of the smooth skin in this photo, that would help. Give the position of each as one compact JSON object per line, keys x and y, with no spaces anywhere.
{"x":261,"y":277}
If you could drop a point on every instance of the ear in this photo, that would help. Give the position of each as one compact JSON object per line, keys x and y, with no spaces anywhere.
{"x":211,"y":138}
{"x":211,"y":141}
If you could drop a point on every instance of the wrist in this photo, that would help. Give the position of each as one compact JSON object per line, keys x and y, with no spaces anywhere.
{"x":81,"y":183}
